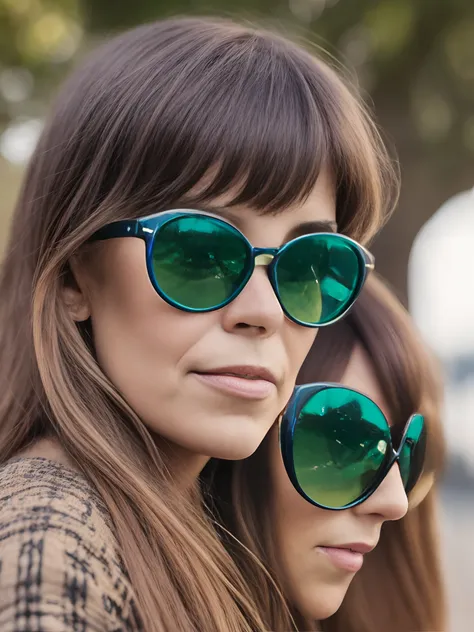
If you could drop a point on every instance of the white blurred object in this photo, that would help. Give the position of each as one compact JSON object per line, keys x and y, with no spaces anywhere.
{"x":441,"y":300}
{"x":441,"y":277}
{"x":18,"y":141}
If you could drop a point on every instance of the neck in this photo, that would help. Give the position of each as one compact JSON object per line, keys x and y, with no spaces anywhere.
{"x":48,"y":448}
{"x":184,"y":466}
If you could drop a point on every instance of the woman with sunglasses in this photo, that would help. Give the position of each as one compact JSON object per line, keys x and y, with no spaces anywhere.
{"x":351,"y":453}
{"x":186,"y":225}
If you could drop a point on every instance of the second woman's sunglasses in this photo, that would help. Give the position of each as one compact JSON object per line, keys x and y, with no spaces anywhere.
{"x":199,"y":263}
{"x":337,"y":446}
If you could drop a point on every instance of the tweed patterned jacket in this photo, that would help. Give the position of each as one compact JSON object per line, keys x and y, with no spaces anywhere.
{"x":60,"y":570}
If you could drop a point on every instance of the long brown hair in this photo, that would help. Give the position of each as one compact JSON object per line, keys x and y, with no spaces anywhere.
{"x":151,"y":114}
{"x":400,"y":585}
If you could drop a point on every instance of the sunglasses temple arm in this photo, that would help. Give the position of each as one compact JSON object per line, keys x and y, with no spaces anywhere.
{"x":121,"y":228}
{"x":369,"y":259}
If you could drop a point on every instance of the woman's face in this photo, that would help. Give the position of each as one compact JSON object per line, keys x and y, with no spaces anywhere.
{"x":313,"y":542}
{"x":165,"y":361}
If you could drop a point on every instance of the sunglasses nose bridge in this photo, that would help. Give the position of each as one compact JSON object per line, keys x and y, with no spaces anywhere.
{"x":264,"y":259}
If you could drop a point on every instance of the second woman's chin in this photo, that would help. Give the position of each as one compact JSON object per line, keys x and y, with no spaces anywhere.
{"x":320,"y":602}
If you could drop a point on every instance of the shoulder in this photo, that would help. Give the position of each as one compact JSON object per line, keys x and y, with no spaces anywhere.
{"x":59,"y":565}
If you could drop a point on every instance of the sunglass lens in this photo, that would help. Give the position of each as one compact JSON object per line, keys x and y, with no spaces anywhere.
{"x":412,"y":452}
{"x":341,"y":440}
{"x":318,"y":277}
{"x":199,"y":262}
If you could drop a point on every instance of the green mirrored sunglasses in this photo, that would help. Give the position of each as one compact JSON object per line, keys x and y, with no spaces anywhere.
{"x":199,"y":263}
{"x":337,"y":446}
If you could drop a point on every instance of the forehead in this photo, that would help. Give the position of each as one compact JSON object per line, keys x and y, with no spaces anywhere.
{"x":360,"y":374}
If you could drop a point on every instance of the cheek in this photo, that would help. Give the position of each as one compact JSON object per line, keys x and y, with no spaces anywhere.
{"x":298,"y":342}
{"x":296,"y":524}
{"x":137,"y":336}
{"x":313,"y":587}
{"x":298,"y":534}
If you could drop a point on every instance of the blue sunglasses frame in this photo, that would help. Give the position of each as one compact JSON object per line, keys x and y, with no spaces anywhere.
{"x":288,"y":420}
{"x":146,"y":228}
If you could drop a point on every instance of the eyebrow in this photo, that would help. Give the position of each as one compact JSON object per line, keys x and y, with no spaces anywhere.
{"x":319,"y":226}
{"x":221,"y":211}
{"x":305,"y":228}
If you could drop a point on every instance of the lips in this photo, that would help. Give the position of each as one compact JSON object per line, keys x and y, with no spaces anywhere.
{"x":348,"y":557}
{"x":355,"y":547}
{"x":246,"y":372}
{"x":243,"y":381}
{"x":345,"y":559}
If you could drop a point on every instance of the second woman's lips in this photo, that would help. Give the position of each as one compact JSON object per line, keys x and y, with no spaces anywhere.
{"x":348,"y":557}
{"x":345,"y":559}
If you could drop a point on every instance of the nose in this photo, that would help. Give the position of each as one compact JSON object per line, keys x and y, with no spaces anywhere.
{"x":256,"y":310}
{"x":389,"y":501}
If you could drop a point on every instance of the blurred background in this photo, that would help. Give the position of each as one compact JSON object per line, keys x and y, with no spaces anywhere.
{"x":414,"y":62}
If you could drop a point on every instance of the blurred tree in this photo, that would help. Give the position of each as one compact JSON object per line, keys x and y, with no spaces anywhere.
{"x":37,"y":40}
{"x":413,"y":58}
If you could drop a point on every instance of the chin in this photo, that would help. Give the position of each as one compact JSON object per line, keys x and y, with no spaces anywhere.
{"x":236,"y":446}
{"x":327,"y":602}
{"x":229,"y":439}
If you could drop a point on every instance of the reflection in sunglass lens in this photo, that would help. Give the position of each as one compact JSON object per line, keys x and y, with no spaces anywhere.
{"x":199,"y":262}
{"x":341,"y":441}
{"x":318,"y":277}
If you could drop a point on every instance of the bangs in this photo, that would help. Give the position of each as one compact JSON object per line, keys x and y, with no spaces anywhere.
{"x":245,"y":124}
{"x":185,"y":111}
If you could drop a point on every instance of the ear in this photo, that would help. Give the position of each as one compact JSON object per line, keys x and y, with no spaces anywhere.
{"x":74,"y":290}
